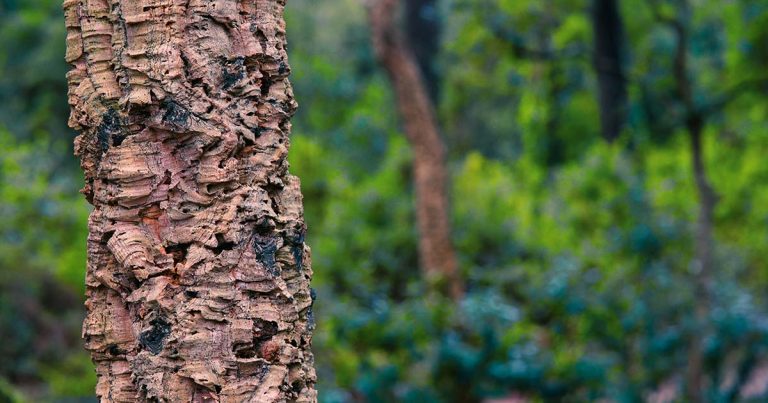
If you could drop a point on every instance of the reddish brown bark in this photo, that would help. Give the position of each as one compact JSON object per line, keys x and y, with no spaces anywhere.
{"x":436,"y":253}
{"x":198,"y":276}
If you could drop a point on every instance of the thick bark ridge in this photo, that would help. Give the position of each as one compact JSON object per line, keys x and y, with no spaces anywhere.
{"x":436,"y":252}
{"x":198,"y":275}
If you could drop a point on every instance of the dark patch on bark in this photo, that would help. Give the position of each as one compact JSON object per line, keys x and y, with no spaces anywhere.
{"x":232,"y":72}
{"x":244,"y":350}
{"x":297,"y":385}
{"x":296,"y":240}
{"x":113,"y":350}
{"x":110,"y":130}
{"x":298,"y":255}
{"x":266,"y":84}
{"x":178,"y":251}
{"x":263,"y":330}
{"x":262,"y":371}
{"x":310,"y":318}
{"x":175,"y":114}
{"x":265,"y":248}
{"x":257,"y":131}
{"x":154,"y":338}
{"x":105,"y":237}
{"x":222,"y":244}
{"x":264,"y":226}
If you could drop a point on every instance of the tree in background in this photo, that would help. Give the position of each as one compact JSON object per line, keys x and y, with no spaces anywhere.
{"x":608,"y":31}
{"x":697,"y":107}
{"x":422,"y":28}
{"x":702,"y":263}
{"x":430,"y":175}
{"x":198,"y":275}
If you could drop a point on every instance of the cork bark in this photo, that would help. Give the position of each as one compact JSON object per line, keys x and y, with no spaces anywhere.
{"x":198,"y":275}
{"x":436,"y":252}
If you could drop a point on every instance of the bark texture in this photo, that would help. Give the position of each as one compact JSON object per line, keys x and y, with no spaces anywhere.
{"x":436,"y":252}
{"x":198,"y":275}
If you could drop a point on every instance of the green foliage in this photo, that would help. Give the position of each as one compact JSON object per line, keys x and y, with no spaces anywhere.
{"x":42,"y":257}
{"x":44,"y":220}
{"x":589,"y":261}
{"x":72,"y":377}
{"x":32,"y":68}
{"x":353,"y":213}
{"x":44,"y":223}
{"x":8,"y":394}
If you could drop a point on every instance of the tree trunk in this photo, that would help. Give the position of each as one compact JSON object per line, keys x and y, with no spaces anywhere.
{"x":703,"y":260}
{"x":198,"y":276}
{"x":436,"y":253}
{"x":422,"y":28}
{"x":703,"y":263}
{"x":608,"y":33}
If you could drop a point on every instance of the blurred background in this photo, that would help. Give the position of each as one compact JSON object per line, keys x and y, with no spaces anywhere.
{"x":608,"y":189}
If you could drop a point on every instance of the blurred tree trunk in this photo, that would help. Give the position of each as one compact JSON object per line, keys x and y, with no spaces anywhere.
{"x":422,"y":28}
{"x":703,"y":260}
{"x":436,"y":252}
{"x":554,"y":147}
{"x":198,"y":276}
{"x":607,"y":27}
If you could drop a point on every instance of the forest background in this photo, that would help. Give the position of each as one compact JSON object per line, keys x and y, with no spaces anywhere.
{"x":598,"y":254}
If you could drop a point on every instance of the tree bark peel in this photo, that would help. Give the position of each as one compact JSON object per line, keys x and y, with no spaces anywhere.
{"x":198,"y":275}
